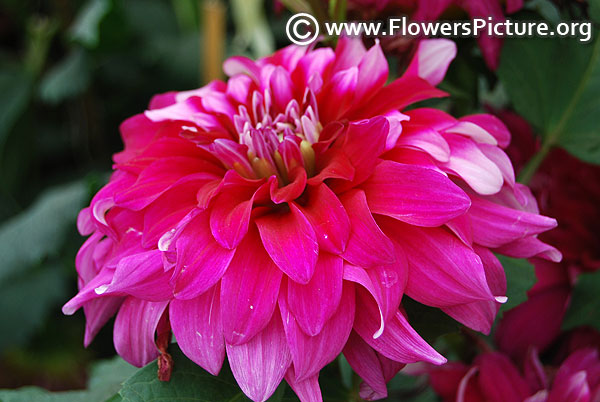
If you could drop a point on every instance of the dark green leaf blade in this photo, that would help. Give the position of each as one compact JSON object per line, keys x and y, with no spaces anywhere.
{"x":585,"y":303}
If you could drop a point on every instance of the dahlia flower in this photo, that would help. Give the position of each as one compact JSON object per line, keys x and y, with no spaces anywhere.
{"x":493,"y":377}
{"x":278,"y":219}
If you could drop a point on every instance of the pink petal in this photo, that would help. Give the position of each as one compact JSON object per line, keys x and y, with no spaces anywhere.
{"x":249,"y":291}
{"x":201,"y":261}
{"x":311,"y":353}
{"x":196,"y":324}
{"x":135,"y":329}
{"x":492,"y":125}
{"x":241,"y":65}
{"x":500,"y":380}
{"x":88,"y":292}
{"x":396,"y":96}
{"x":363,"y":143}
{"x":348,"y":52}
{"x":413,"y":194}
{"x":472,"y":131}
{"x":495,"y":225}
{"x":399,"y":342}
{"x":313,"y":304}
{"x":442,"y":270}
{"x":501,"y":160}
{"x":428,"y":140}
{"x":432,"y":59}
{"x":291,"y":242}
{"x":337,"y":95}
{"x":140,"y":275}
{"x":281,"y":88}
{"x":231,"y":210}
{"x":530,"y":247}
{"x":372,"y":73}
{"x":328,"y":218}
{"x":367,"y":246}
{"x":385,"y":284}
{"x":260,"y":364}
{"x":307,"y":390}
{"x":97,"y":313}
{"x":469,"y":163}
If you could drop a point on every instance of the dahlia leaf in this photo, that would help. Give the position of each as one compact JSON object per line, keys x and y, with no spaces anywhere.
{"x":520,"y":277}
{"x":105,"y":380}
{"x":86,"y":28}
{"x":585,"y":303}
{"x":15,"y":87}
{"x":39,"y":231}
{"x":188,"y":382}
{"x":559,"y":99}
{"x":68,"y":78}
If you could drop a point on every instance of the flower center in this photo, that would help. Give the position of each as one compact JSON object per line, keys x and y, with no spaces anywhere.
{"x":279,"y":140}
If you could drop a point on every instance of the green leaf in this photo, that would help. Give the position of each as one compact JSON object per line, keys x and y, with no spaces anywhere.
{"x":429,"y":322}
{"x":546,"y":9}
{"x":15,"y":93}
{"x":25,"y":313}
{"x":188,"y":382}
{"x":68,"y":78}
{"x":252,"y":28}
{"x":520,"y":277}
{"x":594,"y":8}
{"x":554,"y":83}
{"x":86,"y":28}
{"x":39,"y":231}
{"x":585,"y":303}
{"x":105,"y":380}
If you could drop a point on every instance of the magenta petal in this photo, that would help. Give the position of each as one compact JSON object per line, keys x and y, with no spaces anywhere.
{"x":363,"y":143}
{"x":442,"y":270}
{"x":500,"y":380}
{"x":428,"y":140}
{"x":88,"y":292}
{"x":135,"y":329}
{"x":414,"y":194}
{"x":530,"y":247}
{"x":307,"y":390}
{"x":314,"y":303}
{"x":230,"y":214}
{"x":249,"y":291}
{"x":260,"y":364}
{"x":337,"y":96}
{"x":291,"y":242}
{"x":281,"y":88}
{"x":375,"y":369}
{"x":384,"y":283}
{"x":372,"y":73}
{"x":328,"y":218}
{"x":97,"y":313}
{"x":201,"y":261}
{"x":496,"y":225}
{"x":367,"y":246}
{"x":311,"y":353}
{"x":140,"y":275}
{"x":399,"y":341}
{"x":196,"y":324}
{"x":432,"y":59}
{"x":480,"y":315}
{"x":469,"y":163}
{"x":492,"y":125}
{"x":364,"y":361}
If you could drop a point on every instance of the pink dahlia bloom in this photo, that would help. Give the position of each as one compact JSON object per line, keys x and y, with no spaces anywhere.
{"x":278,"y":218}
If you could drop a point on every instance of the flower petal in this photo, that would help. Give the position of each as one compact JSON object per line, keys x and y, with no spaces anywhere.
{"x":201,"y":261}
{"x":432,"y":59}
{"x":291,"y":242}
{"x":196,"y":324}
{"x":260,"y":364}
{"x":313,"y":304}
{"x":249,"y":291}
{"x":135,"y":329}
{"x":413,"y":194}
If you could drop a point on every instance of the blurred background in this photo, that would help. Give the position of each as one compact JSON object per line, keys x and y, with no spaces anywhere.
{"x":72,"y":71}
